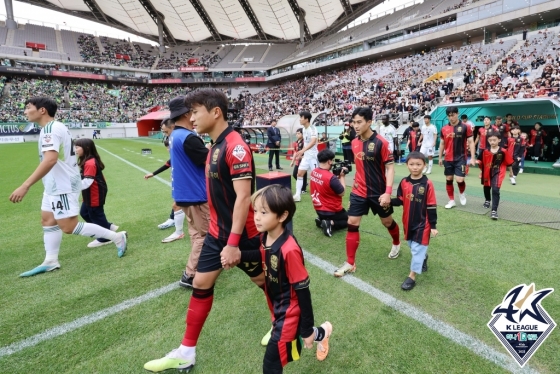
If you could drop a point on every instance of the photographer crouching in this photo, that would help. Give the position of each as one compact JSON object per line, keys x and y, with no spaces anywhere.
{"x":327,"y":189}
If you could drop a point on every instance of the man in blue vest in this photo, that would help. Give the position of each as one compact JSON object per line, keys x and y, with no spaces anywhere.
{"x":273,"y":144}
{"x":188,"y":181}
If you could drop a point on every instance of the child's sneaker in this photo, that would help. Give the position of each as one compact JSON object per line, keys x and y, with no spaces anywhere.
{"x":486,"y":204}
{"x":395,"y":251}
{"x":344,"y":269}
{"x":512,"y":180}
{"x":463,"y":199}
{"x":323,"y":345}
{"x":494,"y":215}
{"x":171,"y":361}
{"x":326,"y":226}
{"x":450,"y":204}
{"x":521,"y":171}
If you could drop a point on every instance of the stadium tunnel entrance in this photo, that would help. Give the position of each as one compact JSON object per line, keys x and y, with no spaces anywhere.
{"x":151,"y":122}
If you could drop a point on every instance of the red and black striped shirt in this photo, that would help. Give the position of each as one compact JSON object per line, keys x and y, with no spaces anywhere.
{"x":229,"y":159}
{"x":455,"y":141}
{"x":94,"y":196}
{"x":371,"y":156}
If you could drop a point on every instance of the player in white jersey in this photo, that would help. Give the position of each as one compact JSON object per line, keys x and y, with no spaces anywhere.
{"x":309,"y":152}
{"x":388,"y":131}
{"x":61,"y":177}
{"x":427,"y":140}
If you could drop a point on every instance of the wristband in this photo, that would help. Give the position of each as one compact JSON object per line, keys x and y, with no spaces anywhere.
{"x":389,"y":189}
{"x":233,"y":240}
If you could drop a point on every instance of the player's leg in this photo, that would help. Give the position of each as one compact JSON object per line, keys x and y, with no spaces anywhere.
{"x":460,"y":172}
{"x":515,"y":171}
{"x":386,"y":217}
{"x":495,"y":184}
{"x":487,"y":197}
{"x":66,"y":215}
{"x":270,"y":157}
{"x":304,"y":165}
{"x":449,"y":172}
{"x":340,"y":220}
{"x":417,"y":264}
{"x":358,"y":208}
{"x":170,"y":222}
{"x":178,"y":222}
{"x":198,"y":217}
{"x":97,"y":216}
{"x":272,"y":361}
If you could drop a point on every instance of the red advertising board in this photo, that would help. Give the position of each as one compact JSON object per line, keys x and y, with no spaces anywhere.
{"x":33,"y":45}
{"x":250,"y":79}
{"x":193,"y":68}
{"x":122,"y":57}
{"x":192,"y":61}
{"x":77,"y":74}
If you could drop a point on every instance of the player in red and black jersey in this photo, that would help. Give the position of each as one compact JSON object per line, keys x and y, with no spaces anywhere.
{"x":455,"y":137}
{"x":286,"y":282}
{"x":373,"y":184}
{"x":536,"y":141}
{"x":413,"y":137}
{"x":493,"y":163}
{"x":503,"y":129}
{"x":516,"y":149}
{"x":94,"y":188}
{"x":417,"y":195}
{"x":230,"y":180}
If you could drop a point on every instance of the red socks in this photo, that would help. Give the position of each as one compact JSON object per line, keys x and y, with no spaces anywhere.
{"x":449,"y":189}
{"x":199,"y":308}
{"x":394,"y":231}
{"x":462,"y":186}
{"x":352,"y":243}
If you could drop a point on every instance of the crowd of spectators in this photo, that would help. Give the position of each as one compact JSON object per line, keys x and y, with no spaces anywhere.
{"x":204,"y":56}
{"x":135,"y":57}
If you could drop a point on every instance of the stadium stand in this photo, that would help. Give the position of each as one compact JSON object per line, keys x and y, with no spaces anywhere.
{"x":35,"y":34}
{"x":70,"y":44}
{"x":262,"y":56}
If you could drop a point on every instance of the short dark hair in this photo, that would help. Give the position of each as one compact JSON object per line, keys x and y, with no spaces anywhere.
{"x":305,"y":114}
{"x":363,"y":111}
{"x":515,"y":127}
{"x":209,"y":98}
{"x":279,"y":199}
{"x":488,"y":117}
{"x":538,"y":123}
{"x":451,"y":109}
{"x":325,"y":155}
{"x":300,"y":130}
{"x":416,"y":156}
{"x":43,"y":102}
{"x":415,"y":124}
{"x":509,"y":114}
{"x":492,"y":133}
{"x":498,"y":117}
{"x":427,"y":116}
{"x":464,"y":116}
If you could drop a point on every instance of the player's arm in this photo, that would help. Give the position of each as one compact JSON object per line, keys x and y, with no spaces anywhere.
{"x":420,"y":138}
{"x":231,"y":251}
{"x":476,"y":140}
{"x":385,"y":199}
{"x":47,"y":163}
{"x":471,"y":148}
{"x":310,"y":145}
{"x":398,"y":201}
{"x":440,"y":153}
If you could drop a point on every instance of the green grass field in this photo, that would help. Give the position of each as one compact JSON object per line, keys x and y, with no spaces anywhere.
{"x":473,"y":263}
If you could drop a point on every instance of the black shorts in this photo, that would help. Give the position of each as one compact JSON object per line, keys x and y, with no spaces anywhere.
{"x":360,"y":206}
{"x":456,"y":168}
{"x":278,"y":354}
{"x":210,"y":259}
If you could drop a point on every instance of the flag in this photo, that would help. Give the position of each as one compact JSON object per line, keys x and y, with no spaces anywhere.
{"x":115,"y":93}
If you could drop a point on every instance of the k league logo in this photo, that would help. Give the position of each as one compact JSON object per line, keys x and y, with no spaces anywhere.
{"x":520,"y":322}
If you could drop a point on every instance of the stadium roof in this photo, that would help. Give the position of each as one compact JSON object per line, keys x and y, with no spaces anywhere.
{"x":217,"y":20}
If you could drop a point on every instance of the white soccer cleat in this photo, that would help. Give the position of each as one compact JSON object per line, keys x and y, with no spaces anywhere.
{"x":395,"y":251}
{"x":512,"y":180}
{"x":463,"y":199}
{"x":450,"y":204}
{"x":429,"y":171}
{"x":345,"y":269}
{"x":521,"y":171}
{"x":167,"y":224}
{"x":96,"y":243}
{"x":297,"y":198}
{"x":173,"y":237}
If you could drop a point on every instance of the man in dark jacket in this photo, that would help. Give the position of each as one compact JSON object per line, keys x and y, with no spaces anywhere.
{"x":273,"y":144}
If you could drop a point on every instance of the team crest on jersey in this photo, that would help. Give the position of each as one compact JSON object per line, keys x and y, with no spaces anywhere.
{"x":360,"y":156}
{"x":274,"y":262}
{"x":239,"y":152}
{"x":371,"y":147}
{"x":47,"y":138}
{"x":520,"y":322}
{"x":459,"y":129}
{"x":421,"y":190}
{"x":215,"y":155}
{"x":409,"y":196}
{"x":499,"y":157}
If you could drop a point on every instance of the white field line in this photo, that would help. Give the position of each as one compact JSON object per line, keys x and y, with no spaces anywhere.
{"x":442,"y":328}
{"x":84,"y":321}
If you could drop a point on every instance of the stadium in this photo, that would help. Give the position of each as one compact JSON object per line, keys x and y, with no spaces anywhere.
{"x":491,"y":59}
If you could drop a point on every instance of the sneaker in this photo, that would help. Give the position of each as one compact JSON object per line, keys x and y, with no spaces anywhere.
{"x":326,"y":226}
{"x":266,"y":338}
{"x":279,"y":168}
{"x":269,"y":169}
{"x":121,"y":243}
{"x":323,"y":345}
{"x":408,"y":284}
{"x":96,"y":243}
{"x":344,"y":269}
{"x":425,"y":170}
{"x":318,"y":222}
{"x":43,"y":268}
{"x":395,"y":251}
{"x":173,"y":237}
{"x":494,"y":215}
{"x":171,"y":361}
{"x":450,"y":204}
{"x":297,"y":198}
{"x":463,"y":199}
{"x":512,"y":180}
{"x":429,"y":171}
{"x":167,"y":224}
{"x":186,"y":281}
{"x":486,"y":204}
{"x":425,"y":265}
{"x":521,"y":171}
